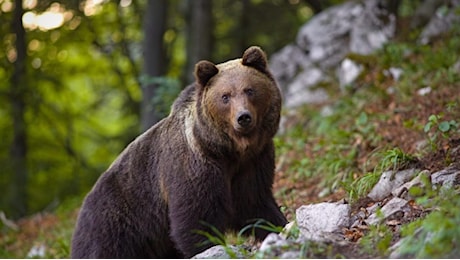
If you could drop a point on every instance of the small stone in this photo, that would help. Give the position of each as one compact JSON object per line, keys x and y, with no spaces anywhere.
{"x":273,"y":241}
{"x":417,"y":181}
{"x":446,"y":178}
{"x":220,"y":252}
{"x":389,"y":181}
{"x":348,"y":72}
{"x":319,"y":221}
{"x":424,"y":91}
{"x":393,"y":206}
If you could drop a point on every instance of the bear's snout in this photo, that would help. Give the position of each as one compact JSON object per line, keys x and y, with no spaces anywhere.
{"x":244,"y":119}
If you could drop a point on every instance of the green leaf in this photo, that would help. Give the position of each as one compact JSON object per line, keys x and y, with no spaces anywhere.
{"x":444,"y":126}
{"x":433,"y":118}
{"x":427,"y":127}
{"x":362,"y":119}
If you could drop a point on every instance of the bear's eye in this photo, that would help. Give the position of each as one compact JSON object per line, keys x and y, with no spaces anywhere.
{"x":225,"y":98}
{"x":250,"y":92}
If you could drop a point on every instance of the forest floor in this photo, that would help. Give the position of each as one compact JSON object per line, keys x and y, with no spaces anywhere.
{"x":320,"y":157}
{"x":295,"y":191}
{"x":301,"y":191}
{"x":419,"y":116}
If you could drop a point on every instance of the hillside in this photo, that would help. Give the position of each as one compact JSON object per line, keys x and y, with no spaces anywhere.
{"x":338,"y":150}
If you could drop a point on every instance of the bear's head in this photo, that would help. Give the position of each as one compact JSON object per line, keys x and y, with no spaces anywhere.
{"x":240,"y":97}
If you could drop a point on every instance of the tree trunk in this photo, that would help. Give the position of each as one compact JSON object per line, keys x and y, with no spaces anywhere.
{"x":199,"y":35}
{"x":18,"y":149}
{"x":154,"y":58}
{"x":242,"y":32}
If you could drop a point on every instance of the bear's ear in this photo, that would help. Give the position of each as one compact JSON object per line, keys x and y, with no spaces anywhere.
{"x":204,"y":71}
{"x":255,"y":57}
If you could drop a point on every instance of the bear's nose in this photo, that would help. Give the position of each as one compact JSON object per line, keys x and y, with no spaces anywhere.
{"x":244,"y":119}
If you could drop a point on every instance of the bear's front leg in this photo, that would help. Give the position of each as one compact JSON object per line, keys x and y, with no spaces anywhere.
{"x":198,"y":204}
{"x":253,"y":197}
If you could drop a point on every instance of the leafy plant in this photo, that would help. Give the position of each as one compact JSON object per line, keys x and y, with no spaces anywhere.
{"x":436,"y":126}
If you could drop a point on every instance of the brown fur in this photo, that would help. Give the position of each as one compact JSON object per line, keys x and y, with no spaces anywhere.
{"x":209,"y":163}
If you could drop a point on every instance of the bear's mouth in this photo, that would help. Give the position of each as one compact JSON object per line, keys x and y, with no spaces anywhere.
{"x":243,"y":131}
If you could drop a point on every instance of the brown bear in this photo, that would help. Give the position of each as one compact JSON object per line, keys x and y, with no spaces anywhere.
{"x":208,"y":165}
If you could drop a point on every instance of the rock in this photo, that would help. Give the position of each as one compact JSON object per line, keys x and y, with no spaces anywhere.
{"x":393,"y":206}
{"x":424,"y":12}
{"x":456,"y":67}
{"x":323,"y":42}
{"x":37,"y":251}
{"x":300,"y":91}
{"x":287,"y":229}
{"x":273,"y":240}
{"x":286,"y":64}
{"x":276,"y":246}
{"x":323,"y":221}
{"x":373,"y":28}
{"x":220,"y":252}
{"x":360,"y":27}
{"x":394,"y":72}
{"x":446,"y":178}
{"x":417,"y":181}
{"x":389,"y":181}
{"x":424,"y":91}
{"x":325,"y":36}
{"x":443,"y":20}
{"x":397,"y":251}
{"x":295,"y":75}
{"x":348,"y":72}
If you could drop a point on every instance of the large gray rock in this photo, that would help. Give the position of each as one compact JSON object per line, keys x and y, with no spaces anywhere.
{"x":374,"y":27}
{"x":355,"y":26}
{"x":323,"y":221}
{"x":323,"y":42}
{"x":325,"y":36}
{"x":286,"y":64}
{"x":296,"y":75}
